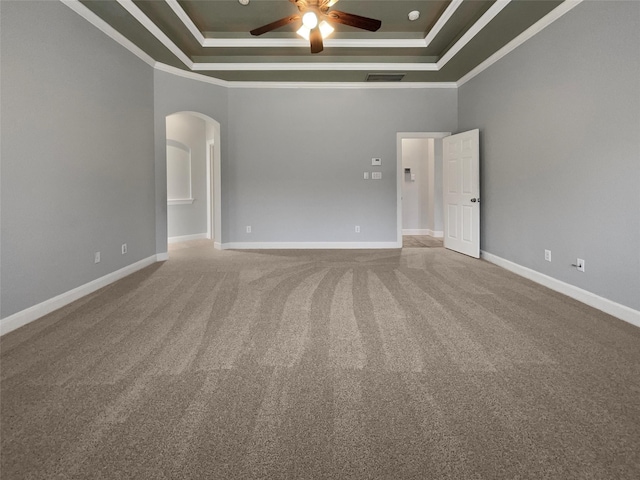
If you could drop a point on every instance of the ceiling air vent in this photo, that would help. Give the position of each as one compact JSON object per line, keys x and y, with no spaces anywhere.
{"x":385,"y":77}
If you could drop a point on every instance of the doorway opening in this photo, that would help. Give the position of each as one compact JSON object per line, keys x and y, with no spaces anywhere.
{"x":419,"y":189}
{"x":193,"y":178}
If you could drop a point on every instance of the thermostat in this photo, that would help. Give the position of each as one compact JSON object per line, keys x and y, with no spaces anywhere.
{"x":376,"y":161}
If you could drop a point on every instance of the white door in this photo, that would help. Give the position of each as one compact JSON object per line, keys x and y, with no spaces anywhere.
{"x":461,"y":182}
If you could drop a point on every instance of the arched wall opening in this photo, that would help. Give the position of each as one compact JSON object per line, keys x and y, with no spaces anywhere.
{"x":193,"y":177}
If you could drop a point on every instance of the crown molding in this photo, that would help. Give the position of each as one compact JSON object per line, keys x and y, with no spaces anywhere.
{"x":314,"y":66}
{"x":444,"y":18}
{"x":254,"y":42}
{"x":489,"y":15}
{"x":108,"y":30}
{"x":186,"y":20}
{"x":536,"y":28}
{"x":344,"y":85}
{"x":178,"y":72}
{"x":139,"y":15}
{"x":301,"y":43}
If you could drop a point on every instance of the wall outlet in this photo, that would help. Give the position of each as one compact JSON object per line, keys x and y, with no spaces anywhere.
{"x":547,"y":255}
{"x":580,"y":265}
{"x":96,"y":257}
{"x":357,"y":228}
{"x":248,"y":228}
{"x":124,"y":248}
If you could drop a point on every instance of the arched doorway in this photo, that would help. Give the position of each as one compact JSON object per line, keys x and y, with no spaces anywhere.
{"x":193,"y":177}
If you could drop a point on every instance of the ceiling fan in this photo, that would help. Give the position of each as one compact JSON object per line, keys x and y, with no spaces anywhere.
{"x":316,"y":18}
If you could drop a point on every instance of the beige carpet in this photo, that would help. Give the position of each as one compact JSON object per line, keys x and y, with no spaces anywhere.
{"x":420,"y":241}
{"x":412,"y":364}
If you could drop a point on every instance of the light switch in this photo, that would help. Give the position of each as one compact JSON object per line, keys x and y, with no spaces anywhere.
{"x":413,"y":177}
{"x":366,"y":175}
{"x":376,"y":175}
{"x":376,"y":162}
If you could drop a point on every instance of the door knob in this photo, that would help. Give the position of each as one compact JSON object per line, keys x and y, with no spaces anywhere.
{"x":474,"y":200}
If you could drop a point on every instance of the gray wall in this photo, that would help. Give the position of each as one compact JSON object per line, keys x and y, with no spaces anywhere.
{"x":560,"y":150}
{"x":297,"y":157}
{"x":190,"y":219}
{"x":173,"y":94}
{"x":77,"y":153}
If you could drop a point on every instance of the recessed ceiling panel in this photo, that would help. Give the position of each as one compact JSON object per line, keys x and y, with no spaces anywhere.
{"x":211,"y":37}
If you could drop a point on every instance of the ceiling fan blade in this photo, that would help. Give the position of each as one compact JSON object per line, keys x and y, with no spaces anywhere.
{"x":274,"y":25}
{"x":354,"y":20}
{"x":315,"y":38}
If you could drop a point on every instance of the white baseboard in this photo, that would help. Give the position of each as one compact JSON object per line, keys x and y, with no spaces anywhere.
{"x":217,"y":245}
{"x":30,"y":314}
{"x":608,"y":306}
{"x":162,"y":257}
{"x":422,"y":231}
{"x":307,"y":245}
{"x":186,"y":238}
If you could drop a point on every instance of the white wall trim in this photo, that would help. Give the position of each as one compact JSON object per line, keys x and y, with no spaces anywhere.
{"x":314,"y":66}
{"x":190,"y":75}
{"x":422,"y":231}
{"x":603,"y":304}
{"x":30,"y":314}
{"x":186,"y":20}
{"x":344,"y":85}
{"x":187,"y":238}
{"x":139,"y":15}
{"x":108,"y":30}
{"x":256,"y":42}
{"x":308,"y":245}
{"x":534,"y":29}
{"x":489,"y":15}
{"x":442,"y":20}
{"x":162,"y":257}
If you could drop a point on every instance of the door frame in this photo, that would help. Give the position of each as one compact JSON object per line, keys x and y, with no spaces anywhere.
{"x":210,"y":211}
{"x":399,"y":174}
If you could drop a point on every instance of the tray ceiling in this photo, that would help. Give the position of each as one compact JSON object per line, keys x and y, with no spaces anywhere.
{"x":211,"y":37}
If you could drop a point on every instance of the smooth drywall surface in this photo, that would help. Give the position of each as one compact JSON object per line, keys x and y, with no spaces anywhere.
{"x":417,"y":185}
{"x":560,"y":150}
{"x":298,"y":157}
{"x":174,"y":94}
{"x":77,"y":154}
{"x":190,"y":218}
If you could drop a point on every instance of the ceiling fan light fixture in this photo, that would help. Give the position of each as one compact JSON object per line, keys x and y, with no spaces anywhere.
{"x":304,"y":32}
{"x":310,"y":20}
{"x":325,"y":29}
